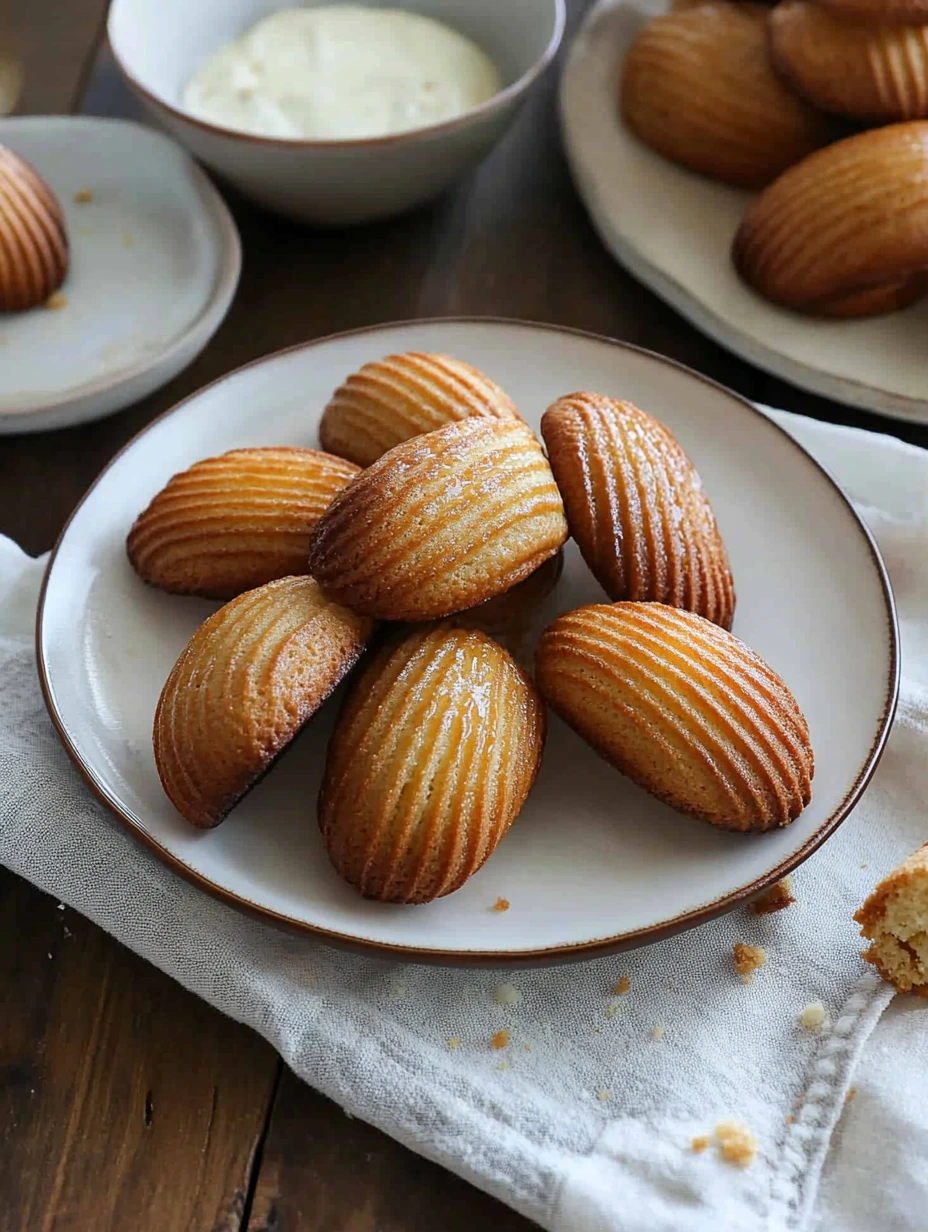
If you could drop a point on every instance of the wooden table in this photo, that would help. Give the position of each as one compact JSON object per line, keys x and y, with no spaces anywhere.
{"x":125,"y":1102}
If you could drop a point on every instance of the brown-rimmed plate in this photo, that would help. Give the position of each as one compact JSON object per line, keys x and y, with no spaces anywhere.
{"x":592,"y":863}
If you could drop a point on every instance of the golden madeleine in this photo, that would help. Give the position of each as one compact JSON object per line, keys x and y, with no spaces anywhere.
{"x":895,"y":920}
{"x":698,"y":87}
{"x":441,"y":522}
{"x":436,"y":748}
{"x":845,"y":232}
{"x":683,"y":708}
{"x":850,"y":66}
{"x":509,"y":617}
{"x":882,"y":12}
{"x":229,"y":524}
{"x":393,"y":399}
{"x":244,"y":685}
{"x":33,"y":238}
{"x":636,"y":507}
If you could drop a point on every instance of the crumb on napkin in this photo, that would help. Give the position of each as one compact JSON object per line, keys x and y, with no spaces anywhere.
{"x":507,"y":994}
{"x":621,"y":987}
{"x":700,"y":1143}
{"x":748,"y":958}
{"x":737,"y":1144}
{"x":813,"y":1016}
{"x":774,"y":899}
{"x":657,"y":1032}
{"x":500,"y":1039}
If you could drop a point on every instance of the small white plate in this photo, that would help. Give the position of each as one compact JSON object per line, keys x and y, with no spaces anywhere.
{"x":673,"y":230}
{"x":592,"y":862}
{"x":155,"y":259}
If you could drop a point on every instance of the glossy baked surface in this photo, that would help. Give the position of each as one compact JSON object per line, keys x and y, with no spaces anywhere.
{"x":232,"y":523}
{"x":636,"y":506}
{"x":686,"y":710}
{"x":244,"y":685}
{"x":400,"y":396}
{"x":431,"y":759}
{"x":33,"y":240}
{"x":441,"y":523}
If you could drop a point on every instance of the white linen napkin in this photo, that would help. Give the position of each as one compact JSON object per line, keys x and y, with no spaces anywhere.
{"x":585,"y":1120}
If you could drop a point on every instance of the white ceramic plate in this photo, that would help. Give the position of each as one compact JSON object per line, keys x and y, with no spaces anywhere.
{"x":155,"y":259}
{"x":673,"y":230}
{"x":592,"y":862}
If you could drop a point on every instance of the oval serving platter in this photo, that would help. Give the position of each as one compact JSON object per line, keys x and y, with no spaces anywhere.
{"x":673,"y":230}
{"x":592,"y":863}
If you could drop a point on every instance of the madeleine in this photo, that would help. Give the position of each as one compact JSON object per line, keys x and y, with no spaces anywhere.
{"x":683,"y":708}
{"x":441,"y":523}
{"x":33,"y":238}
{"x":228,"y":524}
{"x":432,"y":757}
{"x":243,"y":687}
{"x":636,"y":506}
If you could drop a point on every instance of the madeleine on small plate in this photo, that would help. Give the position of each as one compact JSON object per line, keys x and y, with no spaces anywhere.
{"x":432,"y":757}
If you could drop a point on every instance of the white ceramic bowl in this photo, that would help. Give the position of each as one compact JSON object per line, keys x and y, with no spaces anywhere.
{"x":159,"y":44}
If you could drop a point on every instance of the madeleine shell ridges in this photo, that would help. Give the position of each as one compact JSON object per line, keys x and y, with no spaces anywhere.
{"x":844,"y":232}
{"x":432,"y":757}
{"x":400,"y":396}
{"x":851,"y":67}
{"x":636,"y":507}
{"x":882,"y":12}
{"x":33,"y":238}
{"x":683,"y":708}
{"x":698,"y":87}
{"x":242,"y":688}
{"x":231,"y":523}
{"x":441,"y":522}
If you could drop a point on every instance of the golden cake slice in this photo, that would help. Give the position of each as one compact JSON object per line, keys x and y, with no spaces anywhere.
{"x":441,"y":522}
{"x":895,"y":920}
{"x":244,"y":685}
{"x":636,"y":506}
{"x":432,"y":757}
{"x":33,"y":239}
{"x":882,"y":12}
{"x":229,"y":524}
{"x":392,"y":399}
{"x":850,"y":66}
{"x":683,"y":708}
{"x":698,"y":87}
{"x":844,"y":232}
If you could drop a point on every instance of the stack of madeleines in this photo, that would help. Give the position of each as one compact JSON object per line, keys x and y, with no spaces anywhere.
{"x":773,"y":98}
{"x":433,"y":556}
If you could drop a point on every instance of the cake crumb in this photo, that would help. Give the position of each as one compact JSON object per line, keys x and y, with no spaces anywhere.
{"x":56,"y":300}
{"x":83,"y":196}
{"x":603,"y":1095}
{"x":501,"y":904}
{"x":507,"y":994}
{"x":500,"y":1039}
{"x":813,"y":1016}
{"x":851,"y":1092}
{"x":657,"y":1032}
{"x":699,"y":1144}
{"x":621,"y":987}
{"x":789,"y":1118}
{"x":737,"y":1145}
{"x":747,"y":960}
{"x":774,"y":899}
{"x":613,"y":1008}
{"x":503,"y":1065}
{"x":454,"y":1042}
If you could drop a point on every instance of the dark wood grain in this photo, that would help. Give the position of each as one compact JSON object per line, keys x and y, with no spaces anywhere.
{"x":324,"y":1172}
{"x":126,"y":1103}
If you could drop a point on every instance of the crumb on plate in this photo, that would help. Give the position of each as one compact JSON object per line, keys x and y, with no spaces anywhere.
{"x":774,"y":899}
{"x":747,"y":959}
{"x":500,"y":1039}
{"x":83,"y":196}
{"x":501,"y":904}
{"x":737,"y":1144}
{"x":813,"y":1016}
{"x":56,"y":300}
